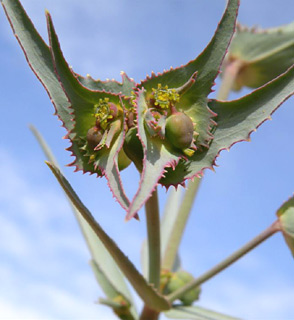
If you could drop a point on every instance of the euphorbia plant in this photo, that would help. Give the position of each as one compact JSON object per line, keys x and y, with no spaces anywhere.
{"x":170,"y":128}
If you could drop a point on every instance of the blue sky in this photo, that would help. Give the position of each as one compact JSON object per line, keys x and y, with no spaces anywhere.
{"x":44,"y":270}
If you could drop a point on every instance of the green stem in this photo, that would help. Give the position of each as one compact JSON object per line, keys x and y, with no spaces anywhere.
{"x":149,"y":314}
{"x":179,"y":225}
{"x":144,"y":290}
{"x":229,"y":76}
{"x":227,"y":262}
{"x":153,"y":232}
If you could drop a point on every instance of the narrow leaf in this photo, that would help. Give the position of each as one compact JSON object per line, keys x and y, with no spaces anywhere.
{"x":119,"y":304}
{"x":168,"y":224}
{"x":83,"y":103}
{"x":196,"y":313}
{"x":106,"y":285}
{"x":175,"y":222}
{"x":38,"y":55}
{"x":110,"y":276}
{"x":166,"y":227}
{"x":286,"y":218}
{"x":207,"y":64}
{"x":151,"y":298}
{"x":188,"y":88}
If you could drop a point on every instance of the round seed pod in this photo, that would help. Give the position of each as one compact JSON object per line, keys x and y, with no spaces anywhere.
{"x":179,"y":130}
{"x":94,"y":136}
{"x":178,"y":280}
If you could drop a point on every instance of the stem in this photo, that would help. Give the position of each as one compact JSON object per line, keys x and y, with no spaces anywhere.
{"x":179,"y":225}
{"x":227,"y":262}
{"x":149,"y":314}
{"x":230,"y":73}
{"x":153,"y":231}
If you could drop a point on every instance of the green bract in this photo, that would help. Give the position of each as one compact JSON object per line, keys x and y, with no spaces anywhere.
{"x":172,"y":130}
{"x":260,"y":54}
{"x":167,"y":124}
{"x":286,"y":218}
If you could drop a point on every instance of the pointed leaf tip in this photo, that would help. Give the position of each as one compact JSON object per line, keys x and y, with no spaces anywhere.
{"x":89,"y":111}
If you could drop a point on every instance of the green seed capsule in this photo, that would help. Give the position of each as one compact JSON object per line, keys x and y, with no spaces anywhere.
{"x":179,"y":130}
{"x":178,"y":280}
{"x":94,"y":136}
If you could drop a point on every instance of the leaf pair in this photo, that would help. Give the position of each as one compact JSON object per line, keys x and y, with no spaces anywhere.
{"x":217,"y":125}
{"x":178,"y":131}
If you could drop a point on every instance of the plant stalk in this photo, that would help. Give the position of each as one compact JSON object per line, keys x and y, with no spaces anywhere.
{"x":227,"y":262}
{"x":153,"y":235}
{"x":180,"y":224}
{"x":230,"y":73}
{"x":149,"y":314}
{"x":229,"y":76}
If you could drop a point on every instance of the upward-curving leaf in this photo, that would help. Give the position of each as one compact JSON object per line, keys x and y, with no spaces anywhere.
{"x":38,"y":56}
{"x":83,"y":102}
{"x":207,"y":64}
{"x":236,"y":120}
{"x":188,"y":88}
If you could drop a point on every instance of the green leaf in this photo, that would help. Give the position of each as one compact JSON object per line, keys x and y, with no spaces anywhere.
{"x":174,"y":223}
{"x":235,"y":122}
{"x":207,"y":64}
{"x":105,"y":283}
{"x":118,"y":302}
{"x":125,"y":88}
{"x":107,"y":273}
{"x":150,"y":297}
{"x":196,"y":313}
{"x":83,"y":102}
{"x":38,"y":56}
{"x":286,"y":218}
{"x":168,"y":225}
{"x":189,"y":87}
{"x":157,"y":156}
{"x":263,"y":54}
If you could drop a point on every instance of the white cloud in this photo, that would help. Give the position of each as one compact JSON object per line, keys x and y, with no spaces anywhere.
{"x":270,"y":298}
{"x":9,"y":310}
